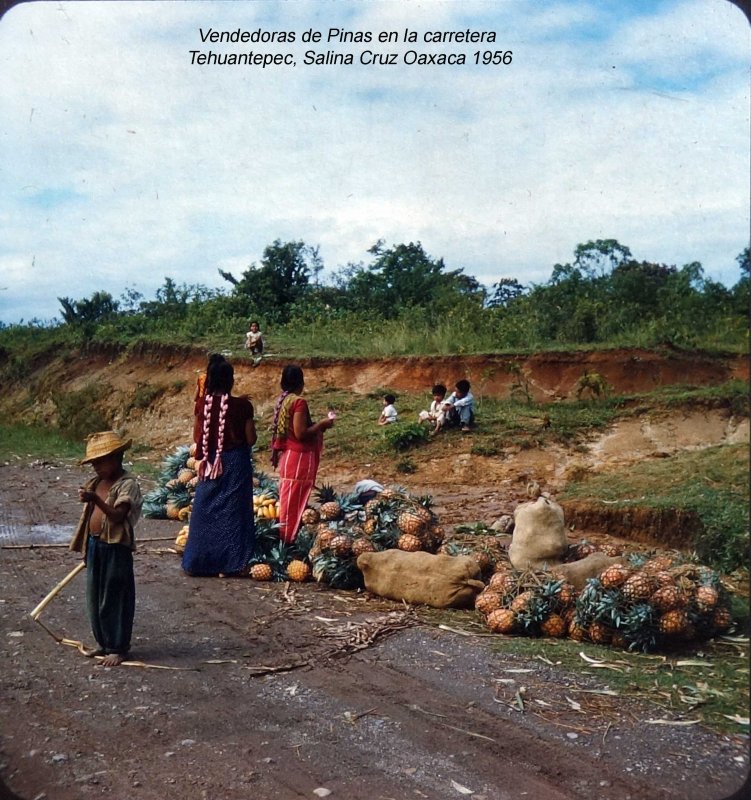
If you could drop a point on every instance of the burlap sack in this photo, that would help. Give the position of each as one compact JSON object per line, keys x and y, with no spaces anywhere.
{"x":435,"y":580}
{"x":539,"y":538}
{"x":579,"y":572}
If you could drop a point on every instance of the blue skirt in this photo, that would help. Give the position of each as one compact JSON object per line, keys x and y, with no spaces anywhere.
{"x":222,"y":530}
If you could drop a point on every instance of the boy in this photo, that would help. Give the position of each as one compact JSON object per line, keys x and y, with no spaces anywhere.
{"x":106,"y":537}
{"x":389,"y":413}
{"x":460,"y":406}
{"x":254,"y":339}
{"x":435,"y":414}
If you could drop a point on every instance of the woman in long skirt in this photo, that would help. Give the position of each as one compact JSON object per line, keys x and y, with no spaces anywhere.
{"x":221,"y":535}
{"x":296,"y":445}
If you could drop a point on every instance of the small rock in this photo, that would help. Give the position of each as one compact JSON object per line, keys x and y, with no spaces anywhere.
{"x":59,"y":758}
{"x":321,"y":791}
{"x":572,"y":735}
{"x":188,"y":742}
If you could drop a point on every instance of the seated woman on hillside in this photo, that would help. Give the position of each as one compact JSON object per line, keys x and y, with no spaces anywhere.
{"x":221,"y":535}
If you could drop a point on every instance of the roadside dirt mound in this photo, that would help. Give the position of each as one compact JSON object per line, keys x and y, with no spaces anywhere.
{"x":150,"y":393}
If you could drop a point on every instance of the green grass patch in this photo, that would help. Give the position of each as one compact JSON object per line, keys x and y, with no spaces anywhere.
{"x":705,"y":681}
{"x":24,"y":442}
{"x":712,"y":483}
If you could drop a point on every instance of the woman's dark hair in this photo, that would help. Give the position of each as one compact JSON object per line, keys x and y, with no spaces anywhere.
{"x":292,"y":378}
{"x":220,"y":377}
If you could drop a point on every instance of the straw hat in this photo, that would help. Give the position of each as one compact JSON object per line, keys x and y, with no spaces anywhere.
{"x":106,"y":443}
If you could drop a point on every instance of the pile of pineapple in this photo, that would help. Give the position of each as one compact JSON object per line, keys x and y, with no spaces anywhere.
{"x":173,"y":496}
{"x":338,"y":528}
{"x":647,"y":602}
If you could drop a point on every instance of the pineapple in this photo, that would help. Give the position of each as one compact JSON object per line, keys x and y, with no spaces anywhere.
{"x":706,"y":598}
{"x":502,"y":620}
{"x":409,"y":542}
{"x":668,"y":598}
{"x":261,"y":572}
{"x":341,"y":545}
{"x":362,"y":545}
{"x":522,"y":601}
{"x":553,"y":626}
{"x":484,"y":560}
{"x":298,"y":571}
{"x":488,"y":601}
{"x":499,"y":582}
{"x":583,"y":549}
{"x":566,"y":595}
{"x":659,"y":563}
{"x":721,"y":618}
{"x":614,"y":575}
{"x":664,"y":578}
{"x":330,"y":508}
{"x":186,"y":475}
{"x":324,"y":537}
{"x":639,"y":586}
{"x":577,"y":631}
{"x":600,"y":633}
{"x":673,"y":623}
{"x":611,"y":549}
{"x":411,"y":523}
{"x":310,"y":516}
{"x":370,"y":526}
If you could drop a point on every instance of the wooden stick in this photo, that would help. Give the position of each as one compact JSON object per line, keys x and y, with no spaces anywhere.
{"x":63,"y":583}
{"x":64,"y":544}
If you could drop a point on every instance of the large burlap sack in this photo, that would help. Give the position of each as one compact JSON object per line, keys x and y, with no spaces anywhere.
{"x":539,"y":538}
{"x":435,"y":580}
{"x":579,"y":572}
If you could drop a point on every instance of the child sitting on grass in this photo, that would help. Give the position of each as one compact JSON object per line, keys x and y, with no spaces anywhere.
{"x":389,"y":413}
{"x":460,"y":406}
{"x":106,"y":537}
{"x":436,"y":414}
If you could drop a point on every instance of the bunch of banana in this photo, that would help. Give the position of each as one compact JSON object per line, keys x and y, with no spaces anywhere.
{"x":182,"y":539}
{"x":265,"y":506}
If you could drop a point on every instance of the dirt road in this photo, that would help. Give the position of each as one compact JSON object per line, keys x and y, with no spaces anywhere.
{"x":270,"y":692}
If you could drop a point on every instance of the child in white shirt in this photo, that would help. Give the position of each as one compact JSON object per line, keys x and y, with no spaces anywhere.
{"x":389,"y":413}
{"x":436,"y":414}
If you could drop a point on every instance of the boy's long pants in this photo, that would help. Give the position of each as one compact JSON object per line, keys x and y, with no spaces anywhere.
{"x":110,"y":594}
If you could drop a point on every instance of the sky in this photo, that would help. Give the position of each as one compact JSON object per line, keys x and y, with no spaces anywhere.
{"x":124,"y":161}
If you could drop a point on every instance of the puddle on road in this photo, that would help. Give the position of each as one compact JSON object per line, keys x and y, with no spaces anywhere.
{"x":36,"y":534}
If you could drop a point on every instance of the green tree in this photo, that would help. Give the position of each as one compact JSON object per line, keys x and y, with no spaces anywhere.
{"x":96,"y":308}
{"x":403,"y":277}
{"x":281,"y":280}
{"x":600,"y":257}
{"x":504,"y":292}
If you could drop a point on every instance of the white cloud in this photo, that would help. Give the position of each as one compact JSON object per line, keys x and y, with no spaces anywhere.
{"x":124,"y":164}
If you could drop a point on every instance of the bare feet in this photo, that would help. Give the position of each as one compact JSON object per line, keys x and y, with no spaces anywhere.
{"x":112,"y":660}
